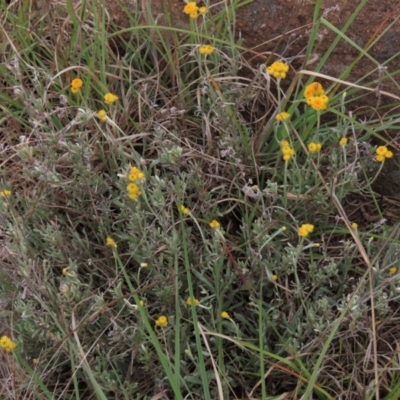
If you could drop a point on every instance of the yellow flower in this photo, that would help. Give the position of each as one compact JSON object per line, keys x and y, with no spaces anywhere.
{"x":343,"y":141}
{"x":133,"y":191}
{"x":305,"y":229}
{"x":215,"y":224}
{"x":388,"y":154}
{"x":282,"y":116}
{"x":318,"y":103}
{"x":110,"y":98}
{"x":203,"y":10}
{"x":5,"y":193}
{"x":102,"y":115}
{"x":135,"y":174}
{"x":383,"y":152}
{"x":190,"y":7}
{"x":144,"y":265}
{"x":191,"y":300}
{"x":142,"y":303}
{"x":314,"y":147}
{"x":393,"y":270}
{"x":278,"y":69}
{"x":76,"y":84}
{"x":287,"y":151}
{"x":194,"y":14}
{"x":314,"y":89}
{"x":64,"y":271}
{"x":225,"y":315}
{"x":274,"y":277}
{"x":184,"y":210}
{"x":111,"y":242}
{"x":354,"y":225}
{"x":162,"y":321}
{"x":206,"y":49}
{"x":7,"y":344}
{"x":380,"y":158}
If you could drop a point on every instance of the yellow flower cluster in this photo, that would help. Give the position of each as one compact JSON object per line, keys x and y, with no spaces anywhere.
{"x":287,"y":151}
{"x":7,"y":344}
{"x":316,"y":97}
{"x":206,"y":49}
{"x":382,"y":152}
{"x":110,"y":242}
{"x":5,"y":193}
{"x":354,"y":225}
{"x":214,"y":224}
{"x":192,"y":300}
{"x":314,"y":147}
{"x":225,"y":315}
{"x":278,"y":69}
{"x":343,"y":141}
{"x":393,"y":270}
{"x":133,"y":191}
{"x":135,"y":174}
{"x":162,"y":321}
{"x":282,"y":116}
{"x":184,"y":210}
{"x":193,"y":10}
{"x":102,"y":115}
{"x":110,"y":98}
{"x":76,"y":85}
{"x":305,"y":229}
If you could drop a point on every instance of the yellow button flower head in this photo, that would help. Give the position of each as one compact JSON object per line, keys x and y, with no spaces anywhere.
{"x":203,"y":10}
{"x":7,"y":344}
{"x":343,"y":141}
{"x":314,"y":89}
{"x":282,"y":116}
{"x":393,"y":270}
{"x":314,"y":147}
{"x":206,"y":49}
{"x":110,"y":98}
{"x":184,"y":210}
{"x":76,"y":85}
{"x":382,"y":152}
{"x":318,"y":103}
{"x":133,"y":191}
{"x":111,"y":242}
{"x":162,"y":321}
{"x":191,"y":300}
{"x":316,"y":97}
{"x":278,"y":69}
{"x":274,"y":277}
{"x":190,"y":7}
{"x":102,"y":115}
{"x":5,"y":193}
{"x":144,"y":265}
{"x":287,"y":151}
{"x":354,"y":225}
{"x":305,"y":229}
{"x":225,"y":315}
{"x":215,"y":224}
{"x":135,"y":174}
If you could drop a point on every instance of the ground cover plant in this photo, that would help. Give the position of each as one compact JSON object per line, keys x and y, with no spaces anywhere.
{"x":179,"y":223}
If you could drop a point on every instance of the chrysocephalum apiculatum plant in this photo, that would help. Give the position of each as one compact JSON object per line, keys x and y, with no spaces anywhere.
{"x":171,"y":227}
